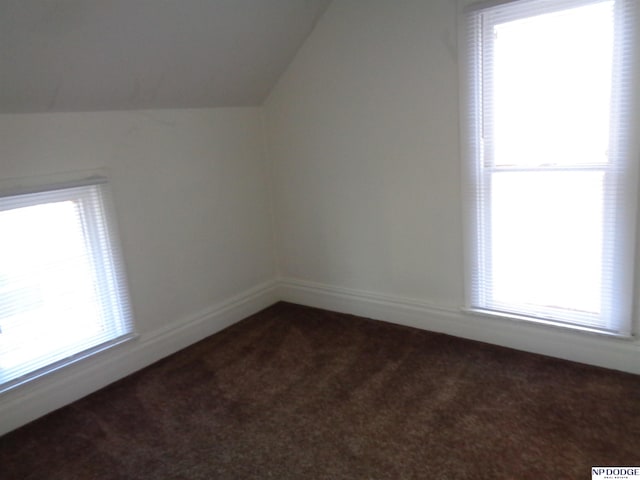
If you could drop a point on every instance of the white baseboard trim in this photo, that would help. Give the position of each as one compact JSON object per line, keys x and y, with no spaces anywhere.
{"x":46,"y":394}
{"x":593,"y":349}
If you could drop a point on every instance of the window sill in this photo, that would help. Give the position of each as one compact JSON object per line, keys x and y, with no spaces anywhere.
{"x":545,"y":322}
{"x":66,"y":362}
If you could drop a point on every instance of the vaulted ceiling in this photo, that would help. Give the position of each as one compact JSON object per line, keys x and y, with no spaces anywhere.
{"x":90,"y":55}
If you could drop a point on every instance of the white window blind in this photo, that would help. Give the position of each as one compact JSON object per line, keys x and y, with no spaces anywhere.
{"x":63,"y":294}
{"x":550,"y":190}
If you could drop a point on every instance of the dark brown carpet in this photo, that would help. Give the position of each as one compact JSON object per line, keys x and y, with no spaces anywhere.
{"x":300,"y":393}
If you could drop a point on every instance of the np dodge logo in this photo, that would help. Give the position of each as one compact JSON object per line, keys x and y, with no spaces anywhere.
{"x":615,"y":473}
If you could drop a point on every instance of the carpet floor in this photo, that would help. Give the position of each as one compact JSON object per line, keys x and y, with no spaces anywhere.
{"x":300,"y":393}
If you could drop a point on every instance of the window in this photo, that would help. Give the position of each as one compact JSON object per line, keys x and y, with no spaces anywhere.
{"x":62,"y":290}
{"x":550,"y":178}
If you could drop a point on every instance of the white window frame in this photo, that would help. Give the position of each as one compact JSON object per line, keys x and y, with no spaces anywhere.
{"x":90,"y":192}
{"x":473,"y":104}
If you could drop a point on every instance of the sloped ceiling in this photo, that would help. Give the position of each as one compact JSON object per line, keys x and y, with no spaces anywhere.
{"x":91,"y":55}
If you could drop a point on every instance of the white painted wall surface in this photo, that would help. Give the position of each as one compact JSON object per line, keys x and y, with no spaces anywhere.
{"x":363,"y":131}
{"x":363,"y":136}
{"x":192,"y":204}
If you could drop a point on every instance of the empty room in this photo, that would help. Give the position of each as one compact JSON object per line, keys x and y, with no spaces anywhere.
{"x":319,"y":239}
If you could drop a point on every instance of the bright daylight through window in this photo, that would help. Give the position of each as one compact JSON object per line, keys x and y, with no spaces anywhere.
{"x":62,"y":291}
{"x":550,"y":178}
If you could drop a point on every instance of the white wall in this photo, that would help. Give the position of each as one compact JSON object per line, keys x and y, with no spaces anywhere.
{"x":192,"y":204}
{"x":363,"y":135}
